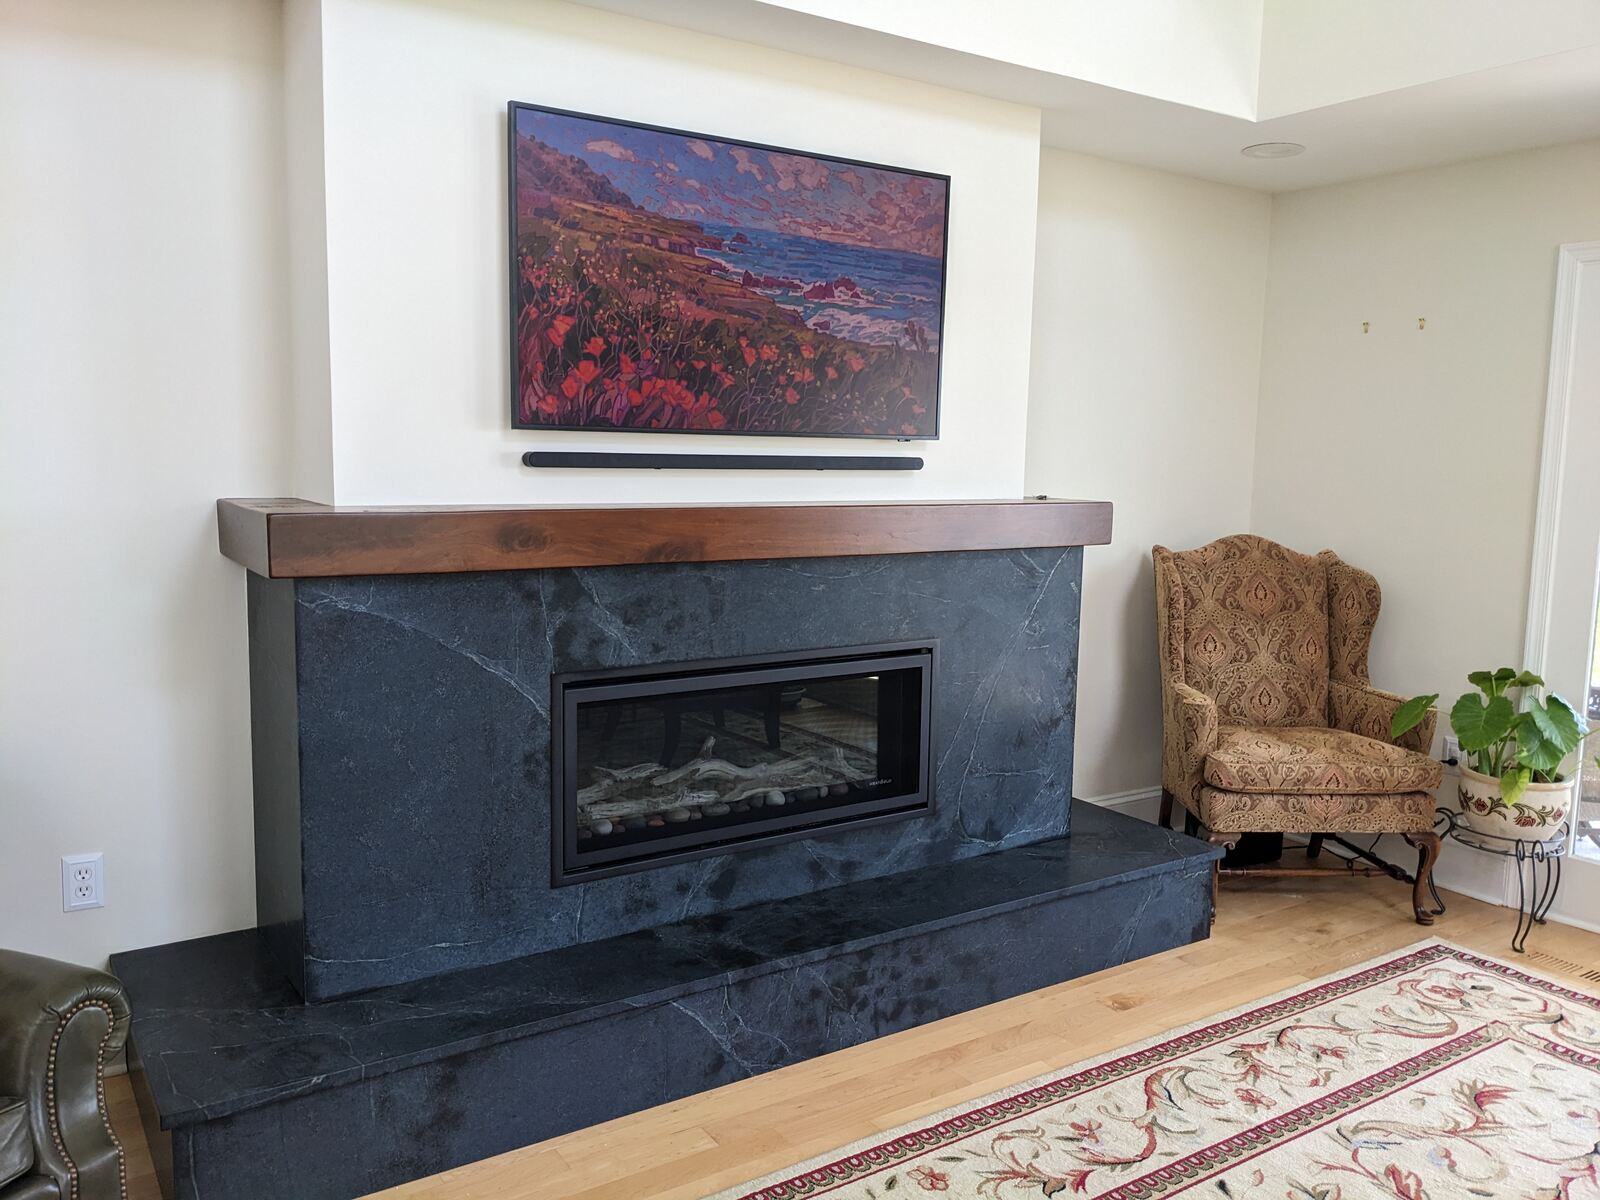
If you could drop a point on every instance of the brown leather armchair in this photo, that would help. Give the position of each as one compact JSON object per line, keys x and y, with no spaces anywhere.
{"x":59,"y":1025}
{"x":1270,"y":722}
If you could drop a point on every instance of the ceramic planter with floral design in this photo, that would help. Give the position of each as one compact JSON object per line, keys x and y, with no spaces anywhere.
{"x":1536,"y":816}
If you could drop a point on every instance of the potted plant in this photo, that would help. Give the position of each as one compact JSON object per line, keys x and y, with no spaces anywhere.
{"x":1512,"y":744}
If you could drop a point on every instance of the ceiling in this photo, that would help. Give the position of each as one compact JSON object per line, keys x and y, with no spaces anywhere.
{"x":1369,"y":87}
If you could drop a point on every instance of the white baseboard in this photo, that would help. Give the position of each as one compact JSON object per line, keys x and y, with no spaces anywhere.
{"x":1562,"y":918}
{"x":1144,"y":803}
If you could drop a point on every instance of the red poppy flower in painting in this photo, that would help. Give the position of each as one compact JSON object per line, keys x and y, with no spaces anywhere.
{"x":663,"y":281}
{"x":559,"y":328}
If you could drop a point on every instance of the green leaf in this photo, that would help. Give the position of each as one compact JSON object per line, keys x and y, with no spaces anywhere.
{"x":1558,"y":724}
{"x":1483,"y":681}
{"x":1513,"y":783}
{"x":1481,"y":725}
{"x":1527,"y":679}
{"x":1537,"y":752}
{"x":1504,"y":675}
{"x":1409,"y":715}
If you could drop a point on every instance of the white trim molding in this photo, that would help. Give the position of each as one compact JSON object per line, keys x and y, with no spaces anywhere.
{"x":1144,"y":803}
{"x":1552,"y":462}
{"x":1562,"y":580}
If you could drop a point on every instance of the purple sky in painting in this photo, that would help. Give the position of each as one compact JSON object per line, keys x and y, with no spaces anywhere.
{"x":723,"y":183}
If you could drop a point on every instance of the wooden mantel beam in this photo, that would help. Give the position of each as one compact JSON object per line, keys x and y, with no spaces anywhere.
{"x":288,"y":539}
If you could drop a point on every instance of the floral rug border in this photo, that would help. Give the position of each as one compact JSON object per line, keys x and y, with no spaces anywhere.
{"x":876,"y":1153}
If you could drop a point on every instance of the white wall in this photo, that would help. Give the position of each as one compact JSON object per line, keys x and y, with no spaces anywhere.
{"x":1202,"y":53}
{"x":1315,"y":54}
{"x":414,"y":122}
{"x":1415,"y":452}
{"x":1147,"y":345}
{"x":310,"y":398}
{"x":141,"y":352}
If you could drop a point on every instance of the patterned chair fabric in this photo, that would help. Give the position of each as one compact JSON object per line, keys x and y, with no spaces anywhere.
{"x":1254,"y":618}
{"x":1269,"y":720}
{"x":1295,"y":812}
{"x":1316,"y":761}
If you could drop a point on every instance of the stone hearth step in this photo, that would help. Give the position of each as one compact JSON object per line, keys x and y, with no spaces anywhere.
{"x":247,"y":1092}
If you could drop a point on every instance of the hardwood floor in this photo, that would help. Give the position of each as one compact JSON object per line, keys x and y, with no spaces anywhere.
{"x":1270,"y":935}
{"x":125,"y":1122}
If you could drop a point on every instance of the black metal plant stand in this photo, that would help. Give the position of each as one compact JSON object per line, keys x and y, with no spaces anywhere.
{"x":1538,"y":869}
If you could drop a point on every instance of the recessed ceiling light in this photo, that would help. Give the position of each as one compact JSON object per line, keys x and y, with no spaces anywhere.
{"x":1273,"y":150}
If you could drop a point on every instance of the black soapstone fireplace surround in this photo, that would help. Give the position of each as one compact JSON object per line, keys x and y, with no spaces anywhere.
{"x":417,"y":994}
{"x":817,"y":740}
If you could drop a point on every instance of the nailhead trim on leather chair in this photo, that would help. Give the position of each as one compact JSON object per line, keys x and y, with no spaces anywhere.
{"x":99,"y":1090}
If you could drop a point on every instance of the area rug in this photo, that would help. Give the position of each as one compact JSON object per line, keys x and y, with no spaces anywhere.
{"x":1430,"y":1073}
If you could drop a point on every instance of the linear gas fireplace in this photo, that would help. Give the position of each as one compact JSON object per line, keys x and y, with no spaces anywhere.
{"x":659,"y":764}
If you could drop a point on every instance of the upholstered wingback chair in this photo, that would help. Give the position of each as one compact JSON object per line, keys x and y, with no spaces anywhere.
{"x":1270,"y":722}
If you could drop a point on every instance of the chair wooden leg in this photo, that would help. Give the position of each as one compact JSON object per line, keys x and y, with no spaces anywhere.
{"x":1166,"y":809}
{"x":1314,"y":846}
{"x":1227,"y":841}
{"x":1427,"y":847}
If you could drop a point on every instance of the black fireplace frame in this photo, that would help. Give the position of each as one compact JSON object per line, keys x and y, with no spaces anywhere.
{"x":566,"y":687}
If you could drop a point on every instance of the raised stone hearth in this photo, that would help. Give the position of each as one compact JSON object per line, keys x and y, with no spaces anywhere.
{"x":368,"y":1091}
{"x":478,"y":976}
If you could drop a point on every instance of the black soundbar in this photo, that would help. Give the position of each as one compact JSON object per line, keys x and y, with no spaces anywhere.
{"x":719,"y":462}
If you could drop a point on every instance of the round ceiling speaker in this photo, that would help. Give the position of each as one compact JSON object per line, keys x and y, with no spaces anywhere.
{"x":1273,"y":150}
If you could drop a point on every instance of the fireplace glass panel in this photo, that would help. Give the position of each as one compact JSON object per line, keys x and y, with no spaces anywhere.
{"x":701,"y":760}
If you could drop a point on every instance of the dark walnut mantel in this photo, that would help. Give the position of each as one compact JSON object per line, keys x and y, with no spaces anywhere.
{"x":297,"y":539}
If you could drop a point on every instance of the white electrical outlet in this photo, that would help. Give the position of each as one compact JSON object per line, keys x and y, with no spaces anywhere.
{"x":1452,"y":749}
{"x":83,"y":881}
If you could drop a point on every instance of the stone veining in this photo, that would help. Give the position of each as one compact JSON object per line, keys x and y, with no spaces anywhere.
{"x":433,"y":783}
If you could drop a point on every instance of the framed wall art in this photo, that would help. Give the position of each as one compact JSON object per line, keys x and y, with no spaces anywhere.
{"x":675,"y":282}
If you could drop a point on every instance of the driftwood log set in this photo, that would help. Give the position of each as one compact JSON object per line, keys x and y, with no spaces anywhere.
{"x":707,"y":785}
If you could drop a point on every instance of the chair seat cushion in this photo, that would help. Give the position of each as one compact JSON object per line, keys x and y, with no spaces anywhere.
{"x":1315,"y":760}
{"x":1303,"y":812}
{"x":16,"y":1142}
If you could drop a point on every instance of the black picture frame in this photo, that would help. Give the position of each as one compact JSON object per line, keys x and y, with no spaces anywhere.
{"x":512,"y":298}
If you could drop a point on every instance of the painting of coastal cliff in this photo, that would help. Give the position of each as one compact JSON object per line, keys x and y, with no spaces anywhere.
{"x":669,"y":281}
